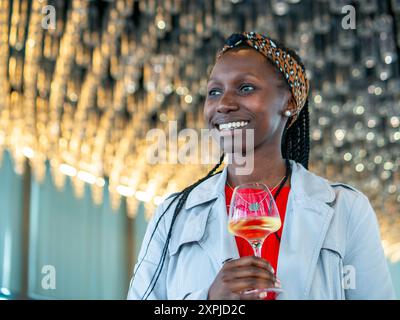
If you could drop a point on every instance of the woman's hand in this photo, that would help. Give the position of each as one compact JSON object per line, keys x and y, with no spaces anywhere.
{"x":239,"y":275}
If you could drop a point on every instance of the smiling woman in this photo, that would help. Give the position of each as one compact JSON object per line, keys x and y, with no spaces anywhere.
{"x":258,"y":84}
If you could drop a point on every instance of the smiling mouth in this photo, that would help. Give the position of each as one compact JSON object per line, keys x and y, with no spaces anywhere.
{"x":232,"y":125}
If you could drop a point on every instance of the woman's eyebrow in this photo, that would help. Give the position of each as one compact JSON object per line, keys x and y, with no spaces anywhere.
{"x":239,"y":76}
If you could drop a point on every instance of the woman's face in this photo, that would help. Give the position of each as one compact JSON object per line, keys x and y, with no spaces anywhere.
{"x":244,"y":92}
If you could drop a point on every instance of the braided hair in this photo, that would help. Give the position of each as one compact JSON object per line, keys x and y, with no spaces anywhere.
{"x":295,"y":145}
{"x":296,"y":138}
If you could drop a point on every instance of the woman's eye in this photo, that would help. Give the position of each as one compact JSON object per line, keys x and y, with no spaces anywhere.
{"x":243,"y":88}
{"x":213,"y":92}
{"x":247,"y":88}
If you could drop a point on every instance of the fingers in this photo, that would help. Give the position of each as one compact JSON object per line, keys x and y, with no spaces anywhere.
{"x":249,"y":261}
{"x":248,"y":272}
{"x":243,"y":275}
{"x":252,"y":283}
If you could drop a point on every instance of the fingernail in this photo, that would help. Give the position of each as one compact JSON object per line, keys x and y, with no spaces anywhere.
{"x":263,"y":295}
{"x":271,"y":269}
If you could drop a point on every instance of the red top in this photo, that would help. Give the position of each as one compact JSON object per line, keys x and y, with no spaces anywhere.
{"x":270,"y":248}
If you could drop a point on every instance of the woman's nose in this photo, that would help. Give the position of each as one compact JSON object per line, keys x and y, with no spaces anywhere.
{"x":227,"y":104}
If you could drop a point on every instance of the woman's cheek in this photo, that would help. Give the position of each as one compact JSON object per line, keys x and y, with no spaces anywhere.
{"x":207,"y":112}
{"x":264,"y":130}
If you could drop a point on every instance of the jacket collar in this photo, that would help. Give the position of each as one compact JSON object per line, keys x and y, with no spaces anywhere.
{"x":304,"y":184}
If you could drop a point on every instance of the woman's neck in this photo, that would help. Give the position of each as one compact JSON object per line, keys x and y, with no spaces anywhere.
{"x":269,"y":168}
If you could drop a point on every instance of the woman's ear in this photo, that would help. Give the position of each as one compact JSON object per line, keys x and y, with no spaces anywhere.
{"x":291,"y":104}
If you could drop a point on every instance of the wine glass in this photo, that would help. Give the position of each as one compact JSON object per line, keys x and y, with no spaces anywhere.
{"x":253,"y":215}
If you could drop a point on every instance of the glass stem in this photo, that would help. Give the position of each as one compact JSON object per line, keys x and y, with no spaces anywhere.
{"x":257,"y":246}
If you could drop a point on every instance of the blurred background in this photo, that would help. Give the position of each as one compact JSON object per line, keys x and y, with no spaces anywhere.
{"x":82,"y":83}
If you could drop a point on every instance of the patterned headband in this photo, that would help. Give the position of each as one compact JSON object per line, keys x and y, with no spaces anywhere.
{"x":293,"y":73}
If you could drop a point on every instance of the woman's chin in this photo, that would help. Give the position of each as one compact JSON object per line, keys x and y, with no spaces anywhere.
{"x":238,"y":152}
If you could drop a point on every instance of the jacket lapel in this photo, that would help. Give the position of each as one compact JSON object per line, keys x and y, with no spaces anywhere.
{"x":217,"y":241}
{"x":308,"y":217}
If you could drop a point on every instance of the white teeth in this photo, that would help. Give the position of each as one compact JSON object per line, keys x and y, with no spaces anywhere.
{"x":232,"y":125}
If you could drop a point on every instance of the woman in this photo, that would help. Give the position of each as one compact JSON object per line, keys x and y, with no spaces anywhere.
{"x":328,"y":246}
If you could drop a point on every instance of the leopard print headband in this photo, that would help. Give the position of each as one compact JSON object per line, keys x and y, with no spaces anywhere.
{"x":293,"y":73}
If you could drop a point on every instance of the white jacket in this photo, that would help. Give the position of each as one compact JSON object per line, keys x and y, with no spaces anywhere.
{"x":330,"y":246}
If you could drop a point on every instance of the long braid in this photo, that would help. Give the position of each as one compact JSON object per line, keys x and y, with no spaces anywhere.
{"x":296,"y":140}
{"x":182,"y":196}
